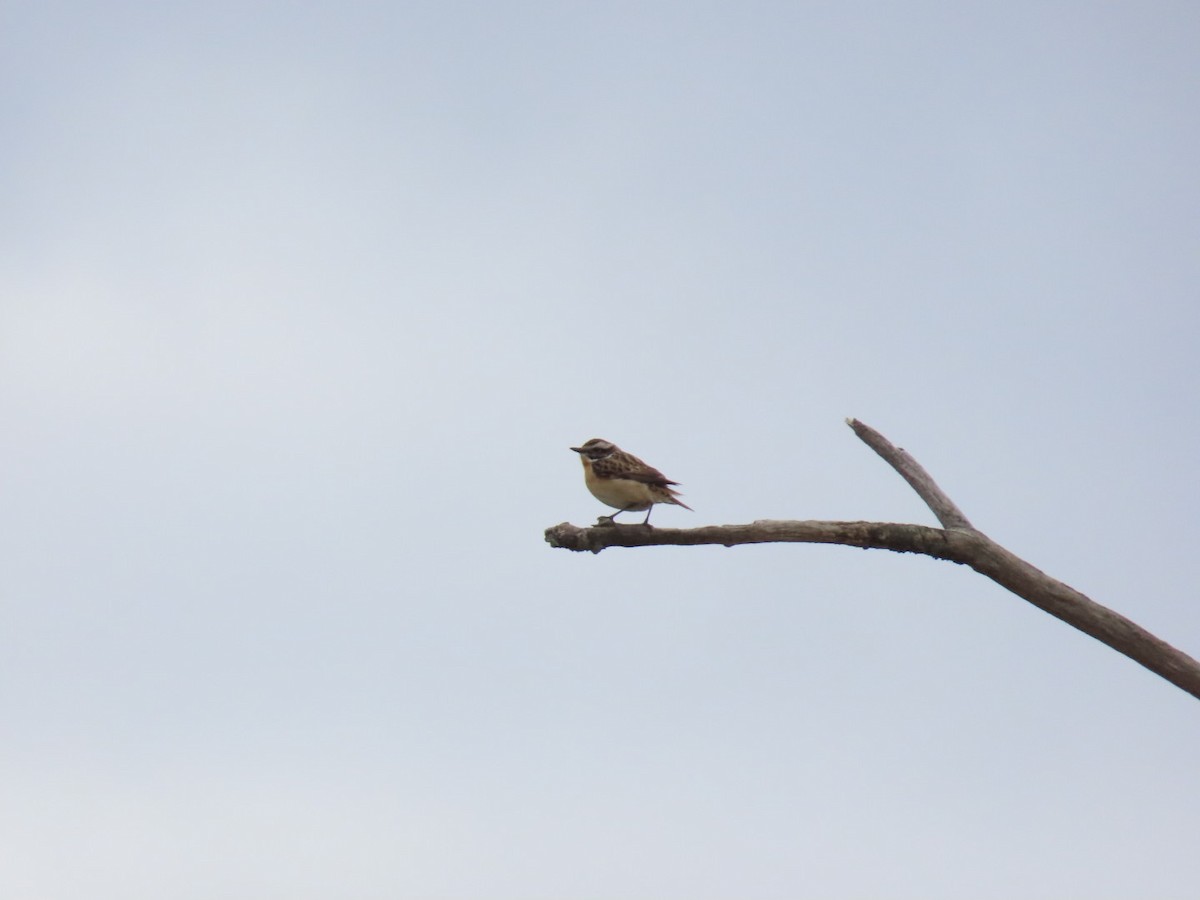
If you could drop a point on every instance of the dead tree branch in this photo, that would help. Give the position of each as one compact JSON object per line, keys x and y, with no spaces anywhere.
{"x":957,"y":541}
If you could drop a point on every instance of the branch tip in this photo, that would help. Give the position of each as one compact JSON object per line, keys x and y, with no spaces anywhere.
{"x":918,"y":479}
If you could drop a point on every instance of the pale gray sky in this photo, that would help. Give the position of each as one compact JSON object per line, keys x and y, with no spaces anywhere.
{"x":301,"y":306}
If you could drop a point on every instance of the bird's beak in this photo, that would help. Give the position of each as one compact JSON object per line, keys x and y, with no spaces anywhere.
{"x":577,"y":449}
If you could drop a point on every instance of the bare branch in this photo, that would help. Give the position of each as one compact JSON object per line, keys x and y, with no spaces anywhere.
{"x":877,"y":535}
{"x":957,"y":542}
{"x":911,"y":471}
{"x":1079,"y":611}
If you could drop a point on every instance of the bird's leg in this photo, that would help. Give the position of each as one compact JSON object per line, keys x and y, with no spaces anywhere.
{"x":649,"y":509}
{"x":610,"y":518}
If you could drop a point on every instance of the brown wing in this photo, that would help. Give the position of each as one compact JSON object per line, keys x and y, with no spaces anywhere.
{"x":648,"y":476}
{"x":626,"y":465}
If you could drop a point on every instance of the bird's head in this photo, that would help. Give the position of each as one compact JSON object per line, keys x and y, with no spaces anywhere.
{"x":596,"y":448}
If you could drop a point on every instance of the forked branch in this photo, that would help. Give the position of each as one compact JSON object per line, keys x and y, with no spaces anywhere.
{"x":957,"y":541}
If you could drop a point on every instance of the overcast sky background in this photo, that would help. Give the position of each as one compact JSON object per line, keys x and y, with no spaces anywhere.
{"x":301,"y":306}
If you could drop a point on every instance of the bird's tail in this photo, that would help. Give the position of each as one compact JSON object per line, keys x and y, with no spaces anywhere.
{"x":674,"y":498}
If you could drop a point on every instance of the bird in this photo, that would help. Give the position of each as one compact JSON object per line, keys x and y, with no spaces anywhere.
{"x":622,"y":481}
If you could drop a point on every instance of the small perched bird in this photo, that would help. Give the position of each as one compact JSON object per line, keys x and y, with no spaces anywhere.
{"x":623,"y":481}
